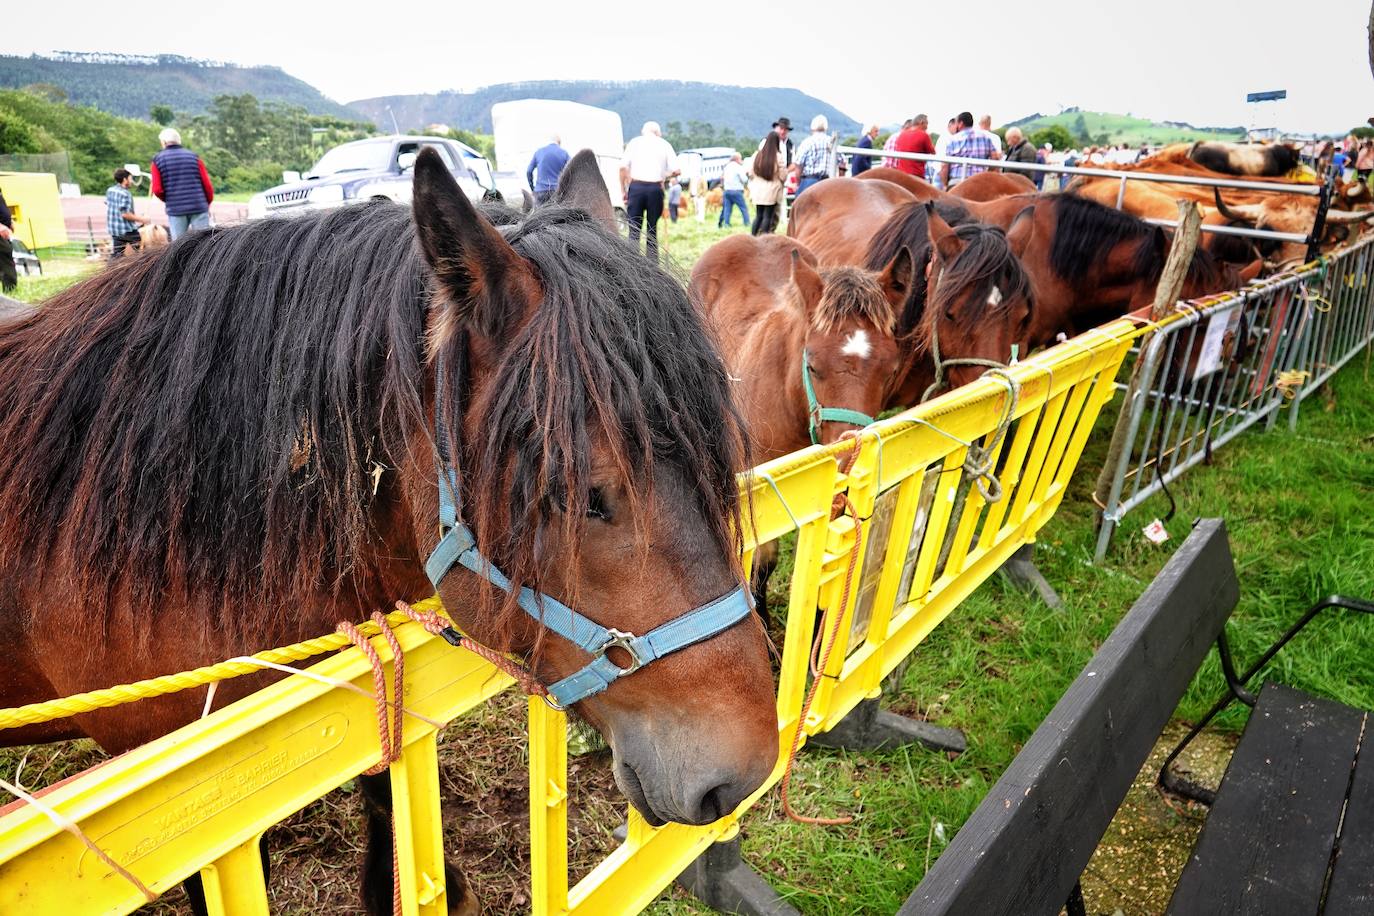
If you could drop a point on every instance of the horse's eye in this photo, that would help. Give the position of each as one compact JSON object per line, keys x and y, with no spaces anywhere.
{"x":596,"y":505}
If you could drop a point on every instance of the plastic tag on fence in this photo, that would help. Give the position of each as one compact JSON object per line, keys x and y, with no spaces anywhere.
{"x":1155,"y":533}
{"x":1213,"y":344}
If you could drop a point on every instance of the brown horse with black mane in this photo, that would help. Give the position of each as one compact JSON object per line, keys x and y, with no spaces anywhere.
{"x":1089,"y":263}
{"x":229,"y":444}
{"x":800,"y":342}
{"x":971,"y":304}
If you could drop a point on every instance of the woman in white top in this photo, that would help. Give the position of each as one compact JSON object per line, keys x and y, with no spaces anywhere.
{"x":765,"y":184}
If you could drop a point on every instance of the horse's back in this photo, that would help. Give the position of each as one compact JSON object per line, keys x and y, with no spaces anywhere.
{"x":837,"y":219}
{"x":988,"y":186}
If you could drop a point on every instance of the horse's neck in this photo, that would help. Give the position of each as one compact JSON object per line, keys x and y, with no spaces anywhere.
{"x":765,"y":371}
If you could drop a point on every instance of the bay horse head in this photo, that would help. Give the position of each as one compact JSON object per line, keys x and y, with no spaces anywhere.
{"x":979,"y":303}
{"x":594,"y":446}
{"x":851,"y":354}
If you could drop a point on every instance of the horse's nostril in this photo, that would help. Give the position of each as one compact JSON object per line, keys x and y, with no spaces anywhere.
{"x":713,"y":805}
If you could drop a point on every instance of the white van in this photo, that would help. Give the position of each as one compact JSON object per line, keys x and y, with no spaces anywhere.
{"x":523,"y":126}
{"x":708,"y":161}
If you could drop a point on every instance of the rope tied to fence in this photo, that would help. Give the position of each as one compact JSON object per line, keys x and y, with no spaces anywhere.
{"x":1288,"y":382}
{"x":69,"y":825}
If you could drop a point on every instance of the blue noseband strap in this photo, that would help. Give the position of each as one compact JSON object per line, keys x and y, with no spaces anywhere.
{"x":458,"y":547}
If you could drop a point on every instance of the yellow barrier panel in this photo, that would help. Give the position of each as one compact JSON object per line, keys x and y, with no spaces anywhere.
{"x":930,"y":538}
{"x":199,"y":798}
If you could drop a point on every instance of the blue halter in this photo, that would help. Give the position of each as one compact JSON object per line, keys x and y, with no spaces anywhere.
{"x":458,"y":547}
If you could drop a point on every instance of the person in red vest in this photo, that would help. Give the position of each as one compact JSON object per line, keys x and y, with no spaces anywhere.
{"x":914,"y":139}
{"x":182,"y":183}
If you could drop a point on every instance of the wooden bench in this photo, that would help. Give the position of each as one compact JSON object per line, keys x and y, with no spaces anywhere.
{"x":1292,"y":827}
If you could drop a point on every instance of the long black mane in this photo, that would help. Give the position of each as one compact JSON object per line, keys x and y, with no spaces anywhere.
{"x":907,"y":228}
{"x":222,"y":418}
{"x":1086,"y":232}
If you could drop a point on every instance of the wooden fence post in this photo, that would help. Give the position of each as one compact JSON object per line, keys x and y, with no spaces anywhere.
{"x":1171,"y":280}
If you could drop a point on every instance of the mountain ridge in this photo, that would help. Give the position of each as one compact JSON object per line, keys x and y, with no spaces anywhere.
{"x":748,"y":110}
{"x":129,"y":85}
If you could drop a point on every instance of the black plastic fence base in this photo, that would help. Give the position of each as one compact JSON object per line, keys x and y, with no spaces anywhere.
{"x":720,"y":879}
{"x":870,"y":728}
{"x":1021,"y":571}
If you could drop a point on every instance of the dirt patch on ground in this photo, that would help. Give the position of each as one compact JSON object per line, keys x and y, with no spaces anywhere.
{"x":1140,"y":858}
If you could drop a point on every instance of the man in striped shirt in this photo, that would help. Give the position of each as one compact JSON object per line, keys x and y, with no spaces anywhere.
{"x":966,"y":143}
{"x":120,"y":219}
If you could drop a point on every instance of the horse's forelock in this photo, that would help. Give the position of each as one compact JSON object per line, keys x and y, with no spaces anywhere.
{"x":851,"y":292}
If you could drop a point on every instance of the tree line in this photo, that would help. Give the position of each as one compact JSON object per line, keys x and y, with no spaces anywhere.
{"x":245,"y":143}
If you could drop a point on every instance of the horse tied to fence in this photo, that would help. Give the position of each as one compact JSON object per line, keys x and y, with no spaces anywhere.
{"x":236,"y":441}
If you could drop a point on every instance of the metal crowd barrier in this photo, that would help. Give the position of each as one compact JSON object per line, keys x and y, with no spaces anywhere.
{"x":200,"y":798}
{"x":1339,"y":320}
{"x":1217,"y":367}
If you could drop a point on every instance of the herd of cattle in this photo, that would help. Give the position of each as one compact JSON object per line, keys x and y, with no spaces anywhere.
{"x":887,"y":288}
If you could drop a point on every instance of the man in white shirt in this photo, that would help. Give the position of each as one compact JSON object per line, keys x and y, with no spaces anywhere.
{"x":649,"y":161}
{"x":941,"y":149}
{"x":985,"y":127}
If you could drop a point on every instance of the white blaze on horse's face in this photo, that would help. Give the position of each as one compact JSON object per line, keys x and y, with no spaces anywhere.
{"x":857,"y":344}
{"x":995,"y":297}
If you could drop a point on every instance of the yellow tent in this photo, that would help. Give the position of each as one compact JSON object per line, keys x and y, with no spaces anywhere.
{"x":33,"y":201}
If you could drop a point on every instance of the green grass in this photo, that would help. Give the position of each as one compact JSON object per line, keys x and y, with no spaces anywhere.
{"x":1126,"y":129}
{"x":1296,"y":508}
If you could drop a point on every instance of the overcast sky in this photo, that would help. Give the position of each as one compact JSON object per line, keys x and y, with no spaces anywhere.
{"x":1186,"y":60}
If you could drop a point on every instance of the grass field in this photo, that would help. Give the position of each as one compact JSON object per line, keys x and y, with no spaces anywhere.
{"x":1127,"y":129}
{"x":1297,"y":507}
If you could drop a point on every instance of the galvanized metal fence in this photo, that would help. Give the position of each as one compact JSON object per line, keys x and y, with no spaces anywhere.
{"x":1217,"y":367}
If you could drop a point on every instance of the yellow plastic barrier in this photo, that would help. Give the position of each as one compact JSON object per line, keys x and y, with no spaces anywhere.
{"x":199,"y":798}
{"x":930,"y":539}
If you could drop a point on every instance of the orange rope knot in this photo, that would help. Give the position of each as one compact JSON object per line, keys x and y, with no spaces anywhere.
{"x":436,"y":624}
{"x":390,"y":737}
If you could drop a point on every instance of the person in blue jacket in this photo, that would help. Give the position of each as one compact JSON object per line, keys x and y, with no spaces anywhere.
{"x":545,"y":166}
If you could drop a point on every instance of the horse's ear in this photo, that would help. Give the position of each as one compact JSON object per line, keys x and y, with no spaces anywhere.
{"x":1252,"y":270}
{"x":581,"y":186}
{"x":477,"y":269}
{"x":805,"y":283}
{"x":1022,"y":228}
{"x":897,"y":277}
{"x":942,"y":238}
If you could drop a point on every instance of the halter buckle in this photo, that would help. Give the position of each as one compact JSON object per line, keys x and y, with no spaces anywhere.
{"x":621,"y":640}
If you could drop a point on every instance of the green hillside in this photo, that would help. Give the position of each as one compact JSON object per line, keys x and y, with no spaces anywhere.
{"x":1101,"y":128}
{"x":743,"y":110}
{"x":130,"y":86}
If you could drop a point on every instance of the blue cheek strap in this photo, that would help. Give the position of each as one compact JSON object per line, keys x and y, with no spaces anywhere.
{"x":458,"y":547}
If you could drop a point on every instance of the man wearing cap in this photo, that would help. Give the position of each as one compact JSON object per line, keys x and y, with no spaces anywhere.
{"x":782,"y":127}
{"x":815,"y":156}
{"x":649,"y":161}
{"x":182,"y":183}
{"x":120,"y":219}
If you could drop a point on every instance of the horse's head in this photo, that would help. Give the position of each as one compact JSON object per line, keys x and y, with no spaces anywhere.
{"x":851,"y":353}
{"x":596,"y":447}
{"x":979,"y":299}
